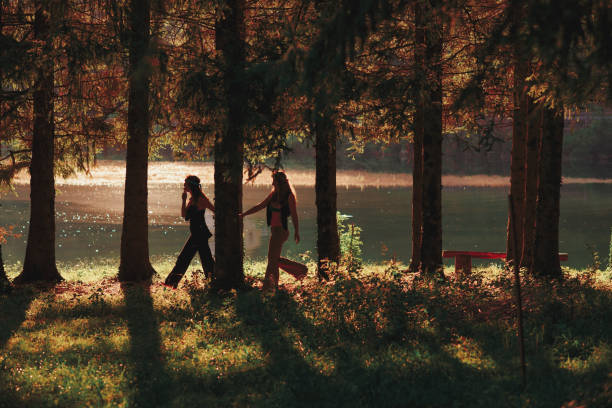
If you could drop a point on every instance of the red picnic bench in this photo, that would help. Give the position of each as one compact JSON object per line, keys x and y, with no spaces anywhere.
{"x":463,"y":259}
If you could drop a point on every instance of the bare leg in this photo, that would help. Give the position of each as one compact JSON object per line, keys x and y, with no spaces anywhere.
{"x":278,"y":236}
{"x":295,"y":269}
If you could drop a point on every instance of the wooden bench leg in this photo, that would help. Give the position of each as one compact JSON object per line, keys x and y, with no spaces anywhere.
{"x":463,"y":264}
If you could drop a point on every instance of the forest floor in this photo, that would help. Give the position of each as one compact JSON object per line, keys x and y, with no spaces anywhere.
{"x":377,"y":338}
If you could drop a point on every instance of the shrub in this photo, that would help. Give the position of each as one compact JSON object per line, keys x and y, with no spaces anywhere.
{"x":350,"y":244}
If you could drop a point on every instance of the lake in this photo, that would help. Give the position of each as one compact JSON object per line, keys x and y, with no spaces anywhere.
{"x":89,"y":214}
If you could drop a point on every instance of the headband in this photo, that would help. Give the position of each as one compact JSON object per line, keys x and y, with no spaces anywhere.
{"x":193,"y":183}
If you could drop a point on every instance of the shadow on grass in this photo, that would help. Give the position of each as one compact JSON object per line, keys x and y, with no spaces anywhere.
{"x":387,"y":344}
{"x":204,"y":299}
{"x":151,"y":384}
{"x":328,"y":362}
{"x":554,"y":331}
{"x":13,"y":309}
{"x":348,"y":343}
{"x":568,"y":331}
{"x":288,"y":380}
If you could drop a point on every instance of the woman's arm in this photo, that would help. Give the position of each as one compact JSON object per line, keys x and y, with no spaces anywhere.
{"x":204,"y":202}
{"x":183,"y":206}
{"x":294,"y":217}
{"x":259,"y":206}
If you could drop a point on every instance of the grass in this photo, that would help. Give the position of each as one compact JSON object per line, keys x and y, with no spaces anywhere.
{"x":381,"y":338}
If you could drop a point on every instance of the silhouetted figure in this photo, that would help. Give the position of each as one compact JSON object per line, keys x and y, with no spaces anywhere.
{"x":279,"y":204}
{"x":193,"y":211}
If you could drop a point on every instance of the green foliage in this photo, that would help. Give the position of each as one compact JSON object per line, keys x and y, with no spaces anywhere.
{"x":351,"y":244}
{"x":393,"y":269}
{"x":591,"y":271}
{"x":87,"y":98}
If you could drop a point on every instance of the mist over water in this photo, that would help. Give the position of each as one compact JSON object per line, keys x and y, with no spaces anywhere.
{"x":89,"y":214}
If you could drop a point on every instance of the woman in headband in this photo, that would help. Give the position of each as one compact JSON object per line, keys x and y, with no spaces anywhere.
{"x":193,"y":211}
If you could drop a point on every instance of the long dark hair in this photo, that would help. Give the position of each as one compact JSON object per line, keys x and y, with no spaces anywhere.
{"x":194,"y":185}
{"x":283,"y":189}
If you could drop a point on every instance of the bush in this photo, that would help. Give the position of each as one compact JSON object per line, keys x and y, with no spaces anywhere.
{"x":350,"y":244}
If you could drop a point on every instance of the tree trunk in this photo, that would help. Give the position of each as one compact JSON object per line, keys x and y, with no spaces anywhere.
{"x":39,"y":263}
{"x":417,"y":164}
{"x":135,"y":264}
{"x":3,"y":276}
{"x":431,"y":245}
{"x":4,"y":281}
{"x":531,"y":181}
{"x":328,"y":242}
{"x":229,"y":151}
{"x":546,"y":249}
{"x":417,"y":200}
{"x":517,"y":163}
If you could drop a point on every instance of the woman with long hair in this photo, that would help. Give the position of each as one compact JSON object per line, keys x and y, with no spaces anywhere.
{"x":193,"y":211}
{"x":279,"y":204}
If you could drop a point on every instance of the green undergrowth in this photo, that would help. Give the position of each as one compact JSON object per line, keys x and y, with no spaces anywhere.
{"x":381,"y":337}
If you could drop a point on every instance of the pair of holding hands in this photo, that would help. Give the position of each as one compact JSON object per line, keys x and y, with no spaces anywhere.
{"x":296,"y":235}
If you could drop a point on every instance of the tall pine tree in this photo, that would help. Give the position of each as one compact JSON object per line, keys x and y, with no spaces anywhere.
{"x":546,"y":236}
{"x":229,"y":148}
{"x":135,"y":264}
{"x":39,"y":263}
{"x":431,"y":238}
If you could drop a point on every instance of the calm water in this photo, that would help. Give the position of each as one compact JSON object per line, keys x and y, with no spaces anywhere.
{"x":89,"y":221}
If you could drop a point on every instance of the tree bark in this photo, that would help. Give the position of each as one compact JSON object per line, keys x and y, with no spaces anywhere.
{"x":531,"y":181}
{"x":39,"y":263}
{"x":328,"y":241}
{"x":135,"y":265}
{"x":4,"y":281}
{"x":517,"y":160}
{"x":229,"y":151}
{"x":431,"y":245}
{"x":417,"y":201}
{"x":417,"y":164}
{"x":546,"y":249}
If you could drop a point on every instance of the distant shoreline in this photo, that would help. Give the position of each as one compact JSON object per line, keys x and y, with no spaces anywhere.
{"x":112,"y":173}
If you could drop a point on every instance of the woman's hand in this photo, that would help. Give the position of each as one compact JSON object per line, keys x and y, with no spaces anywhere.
{"x":297,"y":237}
{"x":183,"y":205}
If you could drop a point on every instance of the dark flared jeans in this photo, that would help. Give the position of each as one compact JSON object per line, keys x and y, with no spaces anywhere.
{"x":193,"y":245}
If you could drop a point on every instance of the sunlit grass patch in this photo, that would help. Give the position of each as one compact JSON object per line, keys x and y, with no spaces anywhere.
{"x":85,"y":271}
{"x":469,"y":352}
{"x":598,"y":356}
